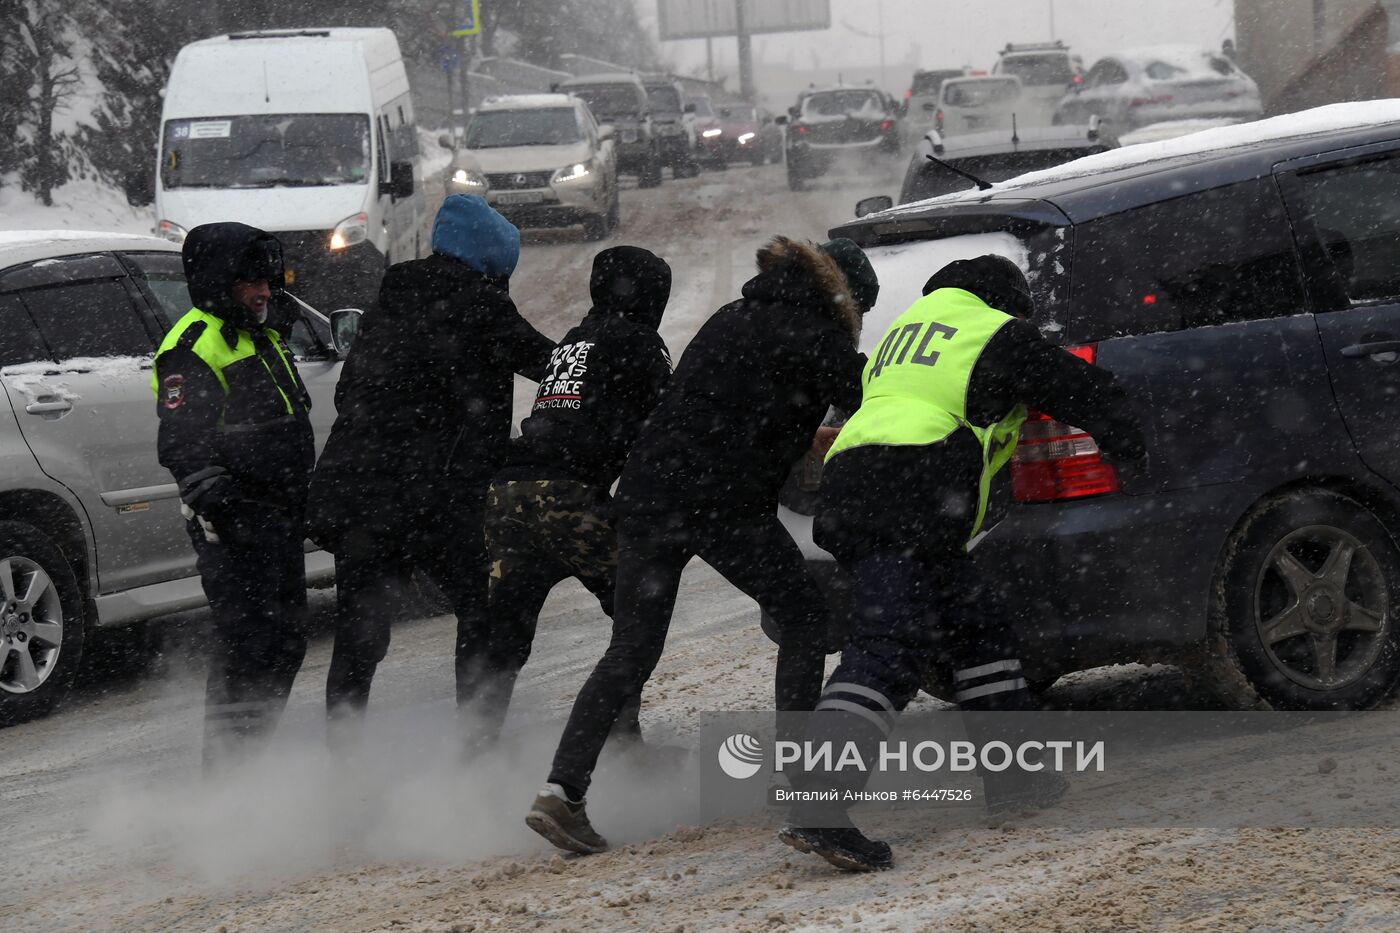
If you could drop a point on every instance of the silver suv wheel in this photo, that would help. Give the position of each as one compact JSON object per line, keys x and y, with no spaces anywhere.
{"x":31,"y":625}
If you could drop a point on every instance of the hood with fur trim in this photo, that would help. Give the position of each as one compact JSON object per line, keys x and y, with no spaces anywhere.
{"x":799,"y":273}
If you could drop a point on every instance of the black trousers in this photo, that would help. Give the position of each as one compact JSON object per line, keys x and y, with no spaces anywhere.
{"x":255,"y":580}
{"x":755,"y":554}
{"x":375,"y":557}
{"x":908,"y":613}
{"x":538,"y":534}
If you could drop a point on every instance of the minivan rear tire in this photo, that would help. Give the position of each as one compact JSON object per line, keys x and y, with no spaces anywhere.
{"x":24,"y":552}
{"x":1287,"y":599}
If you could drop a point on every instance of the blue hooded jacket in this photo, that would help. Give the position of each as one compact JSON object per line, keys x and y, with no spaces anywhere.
{"x":470,"y":231}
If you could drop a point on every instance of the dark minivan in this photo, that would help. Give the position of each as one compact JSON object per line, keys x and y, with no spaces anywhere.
{"x":1247,"y":292}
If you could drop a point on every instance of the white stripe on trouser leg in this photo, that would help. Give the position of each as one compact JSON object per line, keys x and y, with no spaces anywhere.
{"x":1001,"y":686}
{"x":996,"y":667}
{"x":860,"y":691}
{"x":882,"y":721}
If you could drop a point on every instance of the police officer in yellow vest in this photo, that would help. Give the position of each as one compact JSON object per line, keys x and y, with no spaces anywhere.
{"x":236,"y":435}
{"x":905,"y":488}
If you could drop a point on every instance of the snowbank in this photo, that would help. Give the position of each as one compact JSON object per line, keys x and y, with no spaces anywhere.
{"x":81,"y":204}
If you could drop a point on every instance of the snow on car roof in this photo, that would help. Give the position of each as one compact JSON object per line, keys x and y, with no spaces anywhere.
{"x":1328,"y":119}
{"x":22,"y":246}
{"x":526,"y":101}
{"x":1190,"y":58}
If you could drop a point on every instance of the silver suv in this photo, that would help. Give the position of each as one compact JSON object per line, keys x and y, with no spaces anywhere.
{"x":90,"y":526}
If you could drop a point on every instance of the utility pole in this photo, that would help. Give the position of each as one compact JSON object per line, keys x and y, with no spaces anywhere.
{"x":746,"y":88}
{"x":880,"y":25}
{"x":710,"y":57}
{"x":1052,"y":20}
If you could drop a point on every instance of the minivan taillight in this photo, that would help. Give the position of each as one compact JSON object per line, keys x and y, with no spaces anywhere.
{"x":1054,"y":461}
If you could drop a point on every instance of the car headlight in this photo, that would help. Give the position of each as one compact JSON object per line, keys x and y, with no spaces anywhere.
{"x":711,"y":134}
{"x":171,"y":231}
{"x":353,"y":229}
{"x":572,"y":172}
{"x":744,"y":138}
{"x":468,"y":179}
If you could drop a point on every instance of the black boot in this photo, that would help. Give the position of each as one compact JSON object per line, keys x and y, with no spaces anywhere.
{"x":846,"y":847}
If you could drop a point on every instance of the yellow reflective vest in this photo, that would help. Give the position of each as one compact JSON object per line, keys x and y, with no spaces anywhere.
{"x":211,"y":347}
{"x":914,"y":388}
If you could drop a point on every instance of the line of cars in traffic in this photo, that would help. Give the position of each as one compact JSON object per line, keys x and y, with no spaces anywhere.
{"x":1039,"y":84}
{"x":553,"y":160}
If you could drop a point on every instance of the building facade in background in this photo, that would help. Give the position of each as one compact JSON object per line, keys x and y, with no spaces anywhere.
{"x":1304,"y":53}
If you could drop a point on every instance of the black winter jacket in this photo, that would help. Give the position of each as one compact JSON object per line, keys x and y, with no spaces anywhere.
{"x":247,"y":429}
{"x":425,"y":396}
{"x":605,"y":377}
{"x":748,"y":395}
{"x":924,"y":498}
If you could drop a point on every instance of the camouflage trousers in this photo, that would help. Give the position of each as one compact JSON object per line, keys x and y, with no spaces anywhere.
{"x":543,"y":528}
{"x":538,"y":533}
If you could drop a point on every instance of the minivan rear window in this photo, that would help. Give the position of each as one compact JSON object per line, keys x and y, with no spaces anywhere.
{"x":1053,"y":68}
{"x":266,"y":151}
{"x":979,"y":93}
{"x":1209,"y":258}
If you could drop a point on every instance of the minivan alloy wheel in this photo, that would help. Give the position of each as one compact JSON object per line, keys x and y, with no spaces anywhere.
{"x":1321,"y":607}
{"x":31,"y":625}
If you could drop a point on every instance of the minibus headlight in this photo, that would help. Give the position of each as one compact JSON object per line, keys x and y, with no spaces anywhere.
{"x":353,"y":229}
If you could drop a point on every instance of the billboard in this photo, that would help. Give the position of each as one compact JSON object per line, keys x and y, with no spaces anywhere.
{"x":700,"y":19}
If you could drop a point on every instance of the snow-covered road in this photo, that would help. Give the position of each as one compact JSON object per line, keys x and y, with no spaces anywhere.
{"x":105,"y":823}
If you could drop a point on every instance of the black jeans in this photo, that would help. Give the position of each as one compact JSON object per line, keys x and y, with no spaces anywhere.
{"x":538,"y":533}
{"x":373,"y":563}
{"x":255,"y":580}
{"x":755,"y":554}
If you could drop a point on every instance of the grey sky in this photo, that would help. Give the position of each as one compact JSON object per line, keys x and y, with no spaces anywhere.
{"x":935,"y":33}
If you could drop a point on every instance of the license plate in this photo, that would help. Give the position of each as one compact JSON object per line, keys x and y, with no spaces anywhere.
{"x":520,"y":197}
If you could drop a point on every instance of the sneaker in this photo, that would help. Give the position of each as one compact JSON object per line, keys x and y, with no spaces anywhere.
{"x":847,"y":847}
{"x":564,"y":822}
{"x":1027,"y":795}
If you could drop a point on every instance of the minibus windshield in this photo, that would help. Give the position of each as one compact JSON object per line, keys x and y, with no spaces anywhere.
{"x":266,"y":151}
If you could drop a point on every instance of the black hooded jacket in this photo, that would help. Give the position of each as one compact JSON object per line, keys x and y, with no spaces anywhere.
{"x":247,"y":430}
{"x":604,"y":379}
{"x":426,"y":393}
{"x":750,"y":392}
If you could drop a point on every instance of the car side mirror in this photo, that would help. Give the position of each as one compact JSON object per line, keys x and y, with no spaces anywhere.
{"x":606,"y":131}
{"x":880,"y":202}
{"x":400,"y":183}
{"x":781,"y":120}
{"x":792,"y":112}
{"x":445,"y":141}
{"x":345,"y":324}
{"x":689,"y":108}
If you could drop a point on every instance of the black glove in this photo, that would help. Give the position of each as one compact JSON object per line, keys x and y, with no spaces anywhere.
{"x":208,"y":490}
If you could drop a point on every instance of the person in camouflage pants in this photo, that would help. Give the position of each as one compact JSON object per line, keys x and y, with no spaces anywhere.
{"x":547,"y":510}
{"x":538,"y":533}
